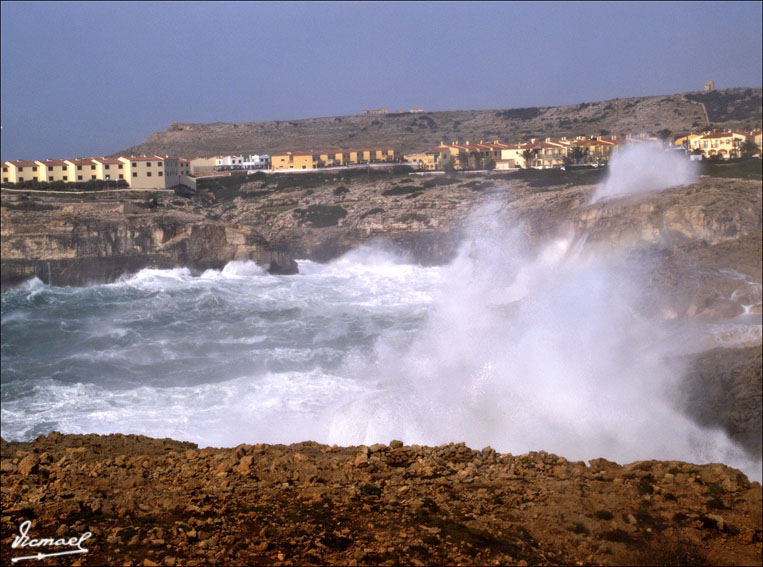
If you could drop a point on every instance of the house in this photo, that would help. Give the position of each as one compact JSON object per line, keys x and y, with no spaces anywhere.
{"x":257,"y":162}
{"x":151,"y":172}
{"x":296,"y":160}
{"x":201,"y":165}
{"x":52,"y":170}
{"x":228,"y":163}
{"x":81,"y":169}
{"x":723,"y":145}
{"x":20,"y":170}
{"x":109,"y":169}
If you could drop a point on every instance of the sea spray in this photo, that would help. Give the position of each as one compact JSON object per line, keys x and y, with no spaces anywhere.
{"x":533,"y":351}
{"x":644,"y":167}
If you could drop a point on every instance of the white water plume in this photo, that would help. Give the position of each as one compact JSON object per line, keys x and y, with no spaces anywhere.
{"x":531,"y":353}
{"x":645,"y":167}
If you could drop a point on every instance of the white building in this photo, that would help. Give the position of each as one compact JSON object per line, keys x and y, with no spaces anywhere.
{"x":224,"y":163}
{"x":257,"y":162}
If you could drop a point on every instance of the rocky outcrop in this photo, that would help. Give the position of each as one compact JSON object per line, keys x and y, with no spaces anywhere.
{"x":161,"y":502}
{"x":64,"y":243}
{"x":723,"y":388}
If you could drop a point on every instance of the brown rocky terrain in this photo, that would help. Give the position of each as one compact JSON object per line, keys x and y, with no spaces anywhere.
{"x":677,"y":113}
{"x":162,"y":502}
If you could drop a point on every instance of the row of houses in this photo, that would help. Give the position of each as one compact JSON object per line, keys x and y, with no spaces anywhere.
{"x":138,"y":172}
{"x":551,"y":153}
{"x":161,"y":172}
{"x":334,"y":158}
{"x":547,"y":153}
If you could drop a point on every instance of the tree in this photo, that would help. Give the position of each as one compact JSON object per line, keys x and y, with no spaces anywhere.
{"x":529,"y":155}
{"x":749,"y":148}
{"x":579,"y":153}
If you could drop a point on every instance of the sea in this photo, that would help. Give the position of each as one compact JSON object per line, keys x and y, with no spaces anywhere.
{"x":518,"y":349}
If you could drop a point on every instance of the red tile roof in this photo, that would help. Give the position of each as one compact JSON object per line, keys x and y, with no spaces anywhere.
{"x":20,"y":162}
{"x":52,"y":162}
{"x":108,"y":160}
{"x":81,"y":161}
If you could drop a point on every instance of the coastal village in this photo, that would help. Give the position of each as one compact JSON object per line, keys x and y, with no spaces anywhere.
{"x":166,"y":172}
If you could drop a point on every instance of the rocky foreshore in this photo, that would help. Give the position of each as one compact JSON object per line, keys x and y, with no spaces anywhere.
{"x":163,"y":502}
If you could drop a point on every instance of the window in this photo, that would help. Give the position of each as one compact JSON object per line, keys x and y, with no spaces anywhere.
{"x":106,"y":166}
{"x":134,"y":165}
{"x":135,"y":174}
{"x":120,"y":166}
{"x":158,"y":164}
{"x":148,"y":174}
{"x":63,"y":168}
{"x":5,"y":170}
{"x":108,"y":177}
{"x":121,"y":176}
{"x":21,"y":179}
{"x":21,"y":168}
{"x":160,"y":174}
{"x":79,"y":178}
{"x":92,"y":177}
{"x":5,"y":180}
{"x":148,"y":164}
{"x":50,"y":178}
{"x":66,"y":178}
{"x":92,"y":167}
{"x":79,"y":167}
{"x":34,"y":168}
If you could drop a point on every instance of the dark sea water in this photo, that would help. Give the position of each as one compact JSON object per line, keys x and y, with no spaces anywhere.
{"x":500,"y":348}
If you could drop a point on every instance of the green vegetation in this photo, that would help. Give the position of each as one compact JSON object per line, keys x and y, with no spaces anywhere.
{"x":519,"y":113}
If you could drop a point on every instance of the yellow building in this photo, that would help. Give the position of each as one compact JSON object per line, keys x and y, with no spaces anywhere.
{"x":333,"y":158}
{"x":151,"y":172}
{"x":723,"y":145}
{"x":109,"y":169}
{"x":17,"y":171}
{"x":52,"y":170}
{"x":295,"y":160}
{"x":81,"y":170}
{"x":201,"y":165}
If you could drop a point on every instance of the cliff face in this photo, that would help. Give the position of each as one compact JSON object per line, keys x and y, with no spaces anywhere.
{"x":65,"y":243}
{"x":162,"y":502}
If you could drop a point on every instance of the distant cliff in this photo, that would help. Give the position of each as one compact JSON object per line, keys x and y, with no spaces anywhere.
{"x":676,"y":113}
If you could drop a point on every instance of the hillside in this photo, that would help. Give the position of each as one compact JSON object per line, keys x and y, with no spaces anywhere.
{"x":678,"y":113}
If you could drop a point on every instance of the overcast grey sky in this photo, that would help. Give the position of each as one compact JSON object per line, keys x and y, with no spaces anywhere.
{"x":84,"y":79}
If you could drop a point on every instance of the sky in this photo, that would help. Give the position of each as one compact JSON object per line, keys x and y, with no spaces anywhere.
{"x":88,"y":79}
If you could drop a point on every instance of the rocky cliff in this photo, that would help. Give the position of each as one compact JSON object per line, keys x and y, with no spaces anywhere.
{"x":77,"y":243}
{"x":162,"y":502}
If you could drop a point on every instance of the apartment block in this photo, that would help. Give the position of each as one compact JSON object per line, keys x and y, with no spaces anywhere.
{"x":151,"y":172}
